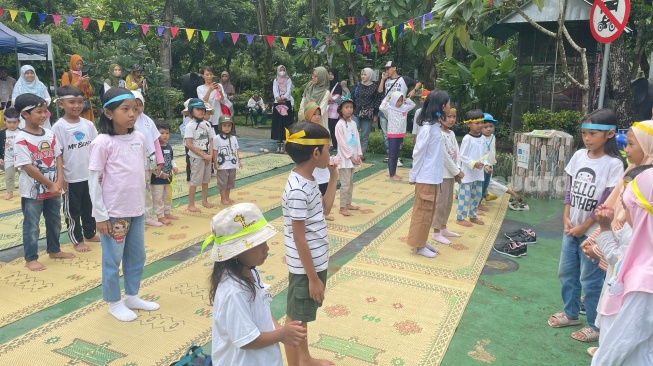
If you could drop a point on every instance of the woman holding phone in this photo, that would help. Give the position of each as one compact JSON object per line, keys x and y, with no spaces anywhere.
{"x":81,"y":81}
{"x":213,"y":93}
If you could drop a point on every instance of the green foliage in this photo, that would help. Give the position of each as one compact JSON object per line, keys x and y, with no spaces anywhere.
{"x":503,"y":168}
{"x":375,"y":145}
{"x":543,"y":119}
{"x":240,"y":102}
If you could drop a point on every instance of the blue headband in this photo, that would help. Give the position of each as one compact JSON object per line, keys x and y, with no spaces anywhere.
{"x":595,"y":126}
{"x":119,"y":98}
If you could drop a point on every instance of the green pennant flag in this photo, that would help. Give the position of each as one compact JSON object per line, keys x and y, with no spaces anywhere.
{"x":115,"y":24}
{"x":392,"y":31}
{"x":300,"y":41}
{"x":28,"y":15}
{"x":205,"y":34}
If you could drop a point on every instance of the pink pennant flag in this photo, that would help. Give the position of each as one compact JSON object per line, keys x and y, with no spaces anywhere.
{"x":2,"y":11}
{"x":411,"y":24}
{"x":85,"y":22}
{"x":377,"y":35}
{"x":234,"y":37}
{"x":270,"y":40}
{"x":173,"y":31}
{"x":144,"y":28}
{"x":56,"y":19}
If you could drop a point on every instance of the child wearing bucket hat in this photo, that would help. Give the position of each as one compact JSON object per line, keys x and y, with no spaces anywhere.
{"x":198,"y":138}
{"x":244,"y":330}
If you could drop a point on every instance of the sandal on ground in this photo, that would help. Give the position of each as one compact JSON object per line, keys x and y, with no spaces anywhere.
{"x":562,"y":320}
{"x":592,"y":350}
{"x":586,"y":334}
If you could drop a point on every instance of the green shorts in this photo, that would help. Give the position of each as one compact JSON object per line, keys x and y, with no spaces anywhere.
{"x":300,"y":306}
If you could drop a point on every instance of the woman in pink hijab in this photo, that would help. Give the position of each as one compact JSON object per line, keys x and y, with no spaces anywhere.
{"x":627,"y":316}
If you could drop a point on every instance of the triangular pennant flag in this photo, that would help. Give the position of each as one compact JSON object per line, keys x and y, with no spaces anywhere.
{"x":421,"y":20}
{"x":144,"y":28}
{"x":349,"y":45}
{"x":392,"y":32}
{"x":300,"y":41}
{"x":100,"y":24}
{"x":42,"y":17}
{"x":115,"y":25}
{"x":314,"y":42}
{"x":270,"y":40}
{"x":384,"y":33}
{"x":346,"y":44}
{"x":411,"y":24}
{"x":401,"y":30}
{"x":70,"y":19}
{"x":205,"y":34}
{"x":2,"y":11}
{"x":130,"y":26}
{"x":250,"y":38}
{"x":377,"y":36}
{"x":285,"y":40}
{"x":220,"y":36}
{"x":56,"y":19}
{"x":85,"y":22}
{"x":234,"y":37}
{"x":173,"y":31}
{"x":28,"y":15}
{"x":364,"y":42}
{"x":428,"y":16}
{"x":160,"y":29}
{"x":369,"y":39}
{"x":189,"y":33}
{"x":13,"y":14}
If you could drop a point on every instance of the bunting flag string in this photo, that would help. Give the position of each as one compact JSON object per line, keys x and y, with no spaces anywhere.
{"x":380,"y":34}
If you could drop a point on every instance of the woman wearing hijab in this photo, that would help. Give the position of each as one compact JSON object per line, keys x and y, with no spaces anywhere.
{"x":282,"y":114}
{"x":228,"y":89}
{"x":115,"y":78}
{"x":317,"y":90}
{"x":75,"y":78}
{"x":332,"y":111}
{"x":628,"y":339}
{"x":364,"y":96}
{"x":28,"y":82}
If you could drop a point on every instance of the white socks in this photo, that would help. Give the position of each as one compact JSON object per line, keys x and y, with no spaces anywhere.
{"x":432,"y":248}
{"x":426,"y":252}
{"x":446,"y":232}
{"x":122,"y":311}
{"x":440,"y":238}
{"x":133,"y":302}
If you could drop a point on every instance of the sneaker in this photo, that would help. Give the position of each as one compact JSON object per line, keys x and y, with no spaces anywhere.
{"x":385,"y":160}
{"x":526,"y":236}
{"x":518,"y":206}
{"x":399,"y":163}
{"x":582,"y":306}
{"x":511,"y":249}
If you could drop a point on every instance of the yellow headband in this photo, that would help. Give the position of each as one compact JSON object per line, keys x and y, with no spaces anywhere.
{"x":296,"y":138}
{"x":640,"y":197}
{"x":452,"y":109}
{"x":643,"y":127}
{"x":481,"y":119}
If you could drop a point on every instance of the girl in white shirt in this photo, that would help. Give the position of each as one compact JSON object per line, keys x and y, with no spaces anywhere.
{"x":349,"y":151}
{"x":426,"y":173}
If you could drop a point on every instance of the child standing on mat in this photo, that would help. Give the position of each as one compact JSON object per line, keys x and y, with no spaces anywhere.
{"x":593,"y":173}
{"x":473,"y":155}
{"x":244,"y":330}
{"x":307,"y":244}
{"x":117,"y":156}
{"x":226,"y":158}
{"x":199,"y":141}
{"x":38,"y":156}
{"x":7,"y":143}
{"x":162,"y":180}
{"x":75,"y":134}
{"x":489,"y":124}
{"x":349,"y":152}
{"x":426,"y":173}
{"x":395,"y":108}
{"x":451,"y":173}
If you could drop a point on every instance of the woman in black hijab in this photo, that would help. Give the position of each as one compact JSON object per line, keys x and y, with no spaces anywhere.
{"x":332,"y":111}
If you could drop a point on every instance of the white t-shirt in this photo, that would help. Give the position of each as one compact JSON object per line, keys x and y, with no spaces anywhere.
{"x":147,"y":127}
{"x":302,"y":201}
{"x":428,"y":156}
{"x":201,"y":134}
{"x":227,"y":152}
{"x":215,"y":104}
{"x":590,"y":178}
{"x":490,"y":143}
{"x":402,"y":84}
{"x":40,"y":151}
{"x":473,"y":150}
{"x":237,"y":321}
{"x":451,"y":155}
{"x":10,"y":141}
{"x":416,"y":126}
{"x":321,"y":175}
{"x":349,"y":145}
{"x":75,"y":139}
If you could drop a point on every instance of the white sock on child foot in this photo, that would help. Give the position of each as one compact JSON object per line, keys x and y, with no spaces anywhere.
{"x":446,"y":232}
{"x":432,"y":248}
{"x":440,"y":239}
{"x":121,"y":312}
{"x":426,"y":252}
{"x":133,"y":302}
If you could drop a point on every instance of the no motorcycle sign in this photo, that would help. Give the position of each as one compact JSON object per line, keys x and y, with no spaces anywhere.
{"x":608,"y":19}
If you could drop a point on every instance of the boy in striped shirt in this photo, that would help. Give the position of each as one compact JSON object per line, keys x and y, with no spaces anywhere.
{"x":307,"y":244}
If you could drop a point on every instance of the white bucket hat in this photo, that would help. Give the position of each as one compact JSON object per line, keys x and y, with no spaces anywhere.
{"x":237,"y":229}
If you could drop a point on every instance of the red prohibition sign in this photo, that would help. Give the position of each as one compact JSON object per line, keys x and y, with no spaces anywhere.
{"x":619,"y":26}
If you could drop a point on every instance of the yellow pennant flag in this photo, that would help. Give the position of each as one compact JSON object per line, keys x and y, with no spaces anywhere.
{"x":189,"y":33}
{"x":346,"y":44}
{"x":13,"y":14}
{"x":100,"y":24}
{"x":383,"y":34}
{"x":285,"y":40}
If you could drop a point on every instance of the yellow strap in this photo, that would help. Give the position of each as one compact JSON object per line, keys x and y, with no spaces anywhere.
{"x":297,"y":138}
{"x":474,"y":120}
{"x":473,"y":163}
{"x":246,"y":231}
{"x":643,"y":127}
{"x":641,"y":198}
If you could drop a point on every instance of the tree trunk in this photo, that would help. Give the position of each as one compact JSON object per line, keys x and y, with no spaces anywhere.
{"x":619,"y":81}
{"x":165,"y":57}
{"x":262,"y":15}
{"x":430,"y":72}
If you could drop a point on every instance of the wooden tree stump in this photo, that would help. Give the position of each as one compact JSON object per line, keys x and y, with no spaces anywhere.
{"x":538,"y":169}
